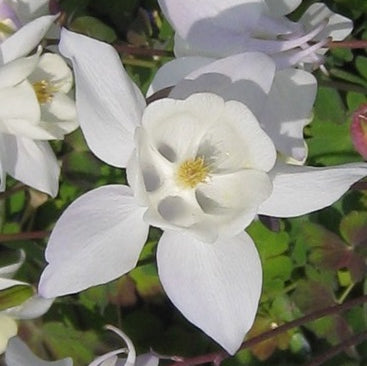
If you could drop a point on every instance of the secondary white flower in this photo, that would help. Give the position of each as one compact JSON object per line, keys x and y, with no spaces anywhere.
{"x":236,"y":26}
{"x":23,"y":24}
{"x":33,"y":307}
{"x":111,"y":359}
{"x":34,"y":106}
{"x":179,"y":167}
{"x":18,"y":354}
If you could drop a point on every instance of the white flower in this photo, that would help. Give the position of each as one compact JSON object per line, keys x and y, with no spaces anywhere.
{"x":215,"y":283}
{"x":34,"y":106}
{"x":111,"y":359}
{"x":23,"y":24}
{"x":236,"y":26}
{"x":33,"y":307}
{"x":18,"y":354}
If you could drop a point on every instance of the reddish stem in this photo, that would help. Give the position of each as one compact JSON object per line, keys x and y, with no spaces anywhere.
{"x":221,"y":355}
{"x":141,"y":51}
{"x":347,"y":44}
{"x":24,"y":236}
{"x":333,"y":351}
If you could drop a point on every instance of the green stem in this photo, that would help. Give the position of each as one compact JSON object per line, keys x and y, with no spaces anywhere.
{"x":345,"y":294}
{"x":9,"y":192}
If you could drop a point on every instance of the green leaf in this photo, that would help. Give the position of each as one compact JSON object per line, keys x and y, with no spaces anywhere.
{"x":14,"y":296}
{"x":64,"y":341}
{"x":81,"y":168}
{"x":353,"y":228}
{"x":355,"y":100}
{"x":268,"y":243}
{"x":329,"y":106}
{"x":279,"y":267}
{"x":147,"y":281}
{"x":93,"y":28}
{"x":330,"y":143}
{"x":361,"y":65}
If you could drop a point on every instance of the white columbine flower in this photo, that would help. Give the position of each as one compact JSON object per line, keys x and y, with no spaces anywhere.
{"x":32,"y":308}
{"x":18,"y":354}
{"x":23,"y":24}
{"x":234,"y":26}
{"x":200,"y":168}
{"x":34,"y":106}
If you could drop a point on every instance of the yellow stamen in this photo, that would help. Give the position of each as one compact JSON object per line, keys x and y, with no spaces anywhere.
{"x":192,"y":172}
{"x":44,"y":91}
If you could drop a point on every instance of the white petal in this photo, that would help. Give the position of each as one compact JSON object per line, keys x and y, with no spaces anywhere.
{"x":8,"y":329}
{"x":25,"y":39}
{"x":245,"y":77}
{"x":7,"y":283}
{"x":109,"y":104}
{"x":32,"y":308}
{"x":33,"y":163}
{"x":173,"y":71}
{"x":235,"y":15}
{"x":147,"y":359}
{"x":16,"y":71}
{"x":97,"y":239}
{"x":27,"y":10}
{"x":216,"y":286}
{"x":230,"y":202}
{"x":60,"y":108}
{"x":217,"y":27}
{"x":53,"y":68}
{"x":288,"y":109}
{"x":338,"y":28}
{"x":18,"y":354}
{"x":18,"y":103}
{"x":252,"y":66}
{"x":278,"y":8}
{"x":299,"y":190}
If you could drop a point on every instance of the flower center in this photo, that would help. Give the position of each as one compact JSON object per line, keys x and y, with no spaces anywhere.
{"x":44,"y":91}
{"x":192,"y":172}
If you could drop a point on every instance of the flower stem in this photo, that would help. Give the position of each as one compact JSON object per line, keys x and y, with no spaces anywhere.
{"x":127,"y":49}
{"x":347,"y":44}
{"x":333,"y":351}
{"x":221,"y":355}
{"x":9,"y":192}
{"x":24,"y":236}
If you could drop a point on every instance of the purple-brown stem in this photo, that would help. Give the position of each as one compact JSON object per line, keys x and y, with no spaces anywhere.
{"x":333,"y":351}
{"x":217,"y":357}
{"x":31,"y":235}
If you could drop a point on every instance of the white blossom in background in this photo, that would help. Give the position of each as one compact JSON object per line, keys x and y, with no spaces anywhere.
{"x":234,"y":26}
{"x":200,"y":167}
{"x":33,"y":307}
{"x":23,"y":24}
{"x":18,"y":354}
{"x":34,"y":107}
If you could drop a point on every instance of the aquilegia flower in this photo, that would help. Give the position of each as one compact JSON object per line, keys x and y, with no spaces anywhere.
{"x":235,"y":26}
{"x":34,"y":106}
{"x":23,"y":24}
{"x":200,"y":168}
{"x":18,"y":354}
